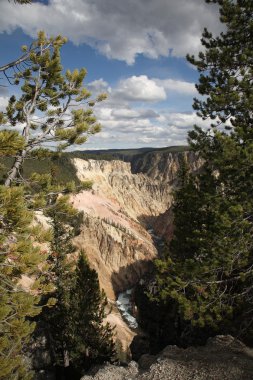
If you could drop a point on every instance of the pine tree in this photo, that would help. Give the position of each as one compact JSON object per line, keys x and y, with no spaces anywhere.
{"x":225,"y":69}
{"x":20,"y":258}
{"x":48,"y":104}
{"x":93,"y":340}
{"x":75,"y":323}
{"x":208,"y":270}
{"x":49,"y":93}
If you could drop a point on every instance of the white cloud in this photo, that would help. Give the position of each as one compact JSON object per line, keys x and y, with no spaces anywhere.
{"x":127,"y":124}
{"x":125,"y":113}
{"x":140,"y":88}
{"x":99,"y":86}
{"x":172,"y":85}
{"x":3,"y":102}
{"x":130,"y":113}
{"x":118,"y":29}
{"x":131,"y":126}
{"x":185,"y":121}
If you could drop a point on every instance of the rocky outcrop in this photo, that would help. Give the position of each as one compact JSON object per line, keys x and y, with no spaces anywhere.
{"x":127,"y":201}
{"x":128,"y":204}
{"x":117,"y":246}
{"x":136,"y":194}
{"x":164,"y":166}
{"x":114,"y":233}
{"x":223,"y":357}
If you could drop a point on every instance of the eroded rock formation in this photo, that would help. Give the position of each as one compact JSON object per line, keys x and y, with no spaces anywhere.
{"x":127,"y":201}
{"x":127,"y":204}
{"x":113,"y":235}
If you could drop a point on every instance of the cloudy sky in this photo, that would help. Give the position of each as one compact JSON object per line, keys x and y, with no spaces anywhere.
{"x":133,"y":49}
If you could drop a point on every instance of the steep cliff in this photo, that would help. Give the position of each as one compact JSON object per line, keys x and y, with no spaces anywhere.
{"x":136,"y":194}
{"x":128,"y":204}
{"x":127,"y":201}
{"x":115,"y":240}
{"x":163,"y":166}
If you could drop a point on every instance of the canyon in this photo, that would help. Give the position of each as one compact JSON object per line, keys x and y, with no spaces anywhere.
{"x":125,"y":214}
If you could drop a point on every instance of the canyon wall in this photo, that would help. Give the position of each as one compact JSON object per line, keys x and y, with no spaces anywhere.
{"x":128,"y":205}
{"x":127,"y":202}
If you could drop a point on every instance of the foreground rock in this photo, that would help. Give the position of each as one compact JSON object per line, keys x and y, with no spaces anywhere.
{"x":223,"y":358}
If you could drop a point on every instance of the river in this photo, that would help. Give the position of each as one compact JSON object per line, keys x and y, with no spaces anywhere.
{"x":125,"y":306}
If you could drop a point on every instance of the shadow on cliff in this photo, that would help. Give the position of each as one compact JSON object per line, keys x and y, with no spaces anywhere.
{"x":160,"y":227}
{"x":128,"y":276}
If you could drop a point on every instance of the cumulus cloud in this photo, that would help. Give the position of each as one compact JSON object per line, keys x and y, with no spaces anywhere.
{"x":172,"y":85}
{"x":184,"y":120}
{"x":131,"y":126}
{"x":131,"y":117}
{"x":99,"y":86}
{"x":133,"y":89}
{"x":140,"y":88}
{"x":118,"y":29}
{"x":125,"y":113}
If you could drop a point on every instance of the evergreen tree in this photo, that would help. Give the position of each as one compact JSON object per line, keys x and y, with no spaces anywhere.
{"x":20,"y":260}
{"x":92,"y":341}
{"x":225,"y":69}
{"x":45,"y":106}
{"x":45,"y":110}
{"x":75,"y":323}
{"x":208,"y":270}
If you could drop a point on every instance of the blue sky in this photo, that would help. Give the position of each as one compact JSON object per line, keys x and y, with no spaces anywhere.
{"x":132,"y":49}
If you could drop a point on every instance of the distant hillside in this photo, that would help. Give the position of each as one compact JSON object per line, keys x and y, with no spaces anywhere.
{"x":63,"y":169}
{"x":123,"y":154}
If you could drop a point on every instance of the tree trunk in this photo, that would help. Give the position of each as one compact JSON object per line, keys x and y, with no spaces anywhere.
{"x":66,"y":358}
{"x":15,"y":169}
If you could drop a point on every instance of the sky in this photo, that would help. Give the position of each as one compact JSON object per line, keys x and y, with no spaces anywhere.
{"x":134,"y":50}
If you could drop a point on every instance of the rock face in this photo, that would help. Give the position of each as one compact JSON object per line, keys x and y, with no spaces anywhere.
{"x":136,"y":194}
{"x":163,"y":166}
{"x":128,"y":204}
{"x":113,"y":235}
{"x":127,"y":201}
{"x":223,"y":358}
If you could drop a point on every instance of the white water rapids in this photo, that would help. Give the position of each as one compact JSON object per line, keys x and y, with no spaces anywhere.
{"x":125,"y":299}
{"x":124,"y":303}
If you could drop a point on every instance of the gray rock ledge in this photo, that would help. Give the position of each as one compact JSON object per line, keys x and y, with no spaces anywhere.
{"x":222,"y":358}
